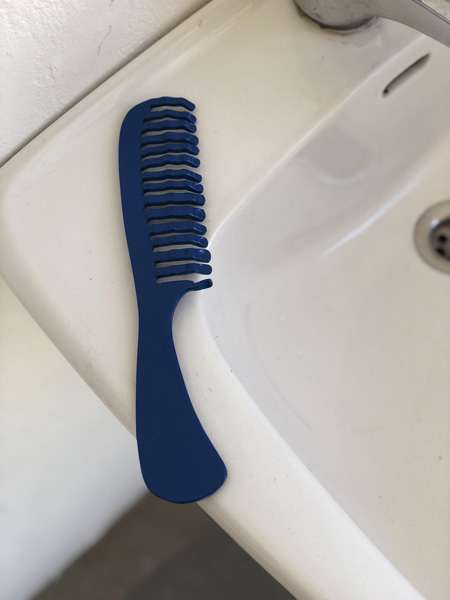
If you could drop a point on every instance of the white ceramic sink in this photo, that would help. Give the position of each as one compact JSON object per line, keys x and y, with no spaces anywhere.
{"x":319,"y":361}
{"x":338,"y":329}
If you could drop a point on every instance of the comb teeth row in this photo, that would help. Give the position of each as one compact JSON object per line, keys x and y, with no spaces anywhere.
{"x":172,"y":191}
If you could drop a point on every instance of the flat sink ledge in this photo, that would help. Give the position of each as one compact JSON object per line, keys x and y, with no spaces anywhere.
{"x":264,"y":80}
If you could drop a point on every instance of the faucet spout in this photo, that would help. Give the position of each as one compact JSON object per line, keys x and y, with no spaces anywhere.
{"x":431,"y":17}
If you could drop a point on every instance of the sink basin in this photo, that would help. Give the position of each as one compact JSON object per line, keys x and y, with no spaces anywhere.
{"x":339,"y":330}
{"x":319,"y":360}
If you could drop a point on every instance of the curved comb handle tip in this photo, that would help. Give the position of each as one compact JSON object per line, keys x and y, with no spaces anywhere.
{"x":178,"y":461}
{"x":161,"y":199}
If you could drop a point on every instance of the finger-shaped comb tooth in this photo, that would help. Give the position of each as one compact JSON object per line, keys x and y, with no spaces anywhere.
{"x":203,"y":284}
{"x":170,"y":114}
{"x":174,"y":198}
{"x":172,"y":174}
{"x":172,"y":185}
{"x":184,"y":269}
{"x":169,"y":124}
{"x":180,"y":240}
{"x":169,"y":101}
{"x":171,"y":147}
{"x":175,"y":212}
{"x":170,"y":159}
{"x":197,"y":254}
{"x":176,"y":227}
{"x":170,"y":136}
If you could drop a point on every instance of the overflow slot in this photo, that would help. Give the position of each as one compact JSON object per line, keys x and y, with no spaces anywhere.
{"x":406,"y":74}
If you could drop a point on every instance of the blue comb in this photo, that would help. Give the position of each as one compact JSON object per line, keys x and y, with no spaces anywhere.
{"x":161,"y":200}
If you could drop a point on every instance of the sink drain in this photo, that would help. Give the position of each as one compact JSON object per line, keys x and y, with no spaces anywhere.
{"x":440,"y":239}
{"x":432,"y":236}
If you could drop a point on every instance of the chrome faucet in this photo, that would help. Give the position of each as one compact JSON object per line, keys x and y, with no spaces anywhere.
{"x":431,"y":17}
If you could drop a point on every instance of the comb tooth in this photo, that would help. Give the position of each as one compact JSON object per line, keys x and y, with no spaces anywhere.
{"x":202,"y":284}
{"x":184,"y":269}
{"x":174,"y":198}
{"x":197,"y":254}
{"x":172,"y":147}
{"x":175,"y":212}
{"x":169,"y":124}
{"x":170,"y":114}
{"x":169,"y":101}
{"x":170,"y":136}
{"x":163,"y":186}
{"x":176,"y":227}
{"x":179,"y":240}
{"x":170,"y":159}
{"x":172,"y":174}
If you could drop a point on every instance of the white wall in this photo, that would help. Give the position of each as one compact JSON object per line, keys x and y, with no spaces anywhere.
{"x":53,"y":52}
{"x":67,"y":467}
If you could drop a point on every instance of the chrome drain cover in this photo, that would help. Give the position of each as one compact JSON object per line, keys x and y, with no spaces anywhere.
{"x":432,"y":236}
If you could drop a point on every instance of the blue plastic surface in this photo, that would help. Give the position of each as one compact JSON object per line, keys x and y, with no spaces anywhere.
{"x":161,"y":200}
